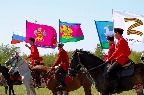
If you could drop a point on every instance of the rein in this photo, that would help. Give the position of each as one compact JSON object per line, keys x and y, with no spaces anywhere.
{"x":17,"y":61}
{"x":96,"y":67}
{"x":79,"y":61}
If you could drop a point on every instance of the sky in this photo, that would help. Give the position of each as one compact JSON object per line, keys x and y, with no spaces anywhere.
{"x":14,"y":13}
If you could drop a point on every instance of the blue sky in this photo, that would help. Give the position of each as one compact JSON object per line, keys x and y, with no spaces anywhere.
{"x":14,"y":13}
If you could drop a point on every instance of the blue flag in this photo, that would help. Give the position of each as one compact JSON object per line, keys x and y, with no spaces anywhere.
{"x":104,"y":28}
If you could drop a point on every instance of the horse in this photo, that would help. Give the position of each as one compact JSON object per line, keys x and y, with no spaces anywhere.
{"x":96,"y":68}
{"x":51,"y":82}
{"x":6,"y":76}
{"x":23,"y":68}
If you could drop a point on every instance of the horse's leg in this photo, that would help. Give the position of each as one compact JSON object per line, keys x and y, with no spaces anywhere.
{"x":140,"y":90}
{"x":12,"y":89}
{"x":32,"y":89}
{"x":87,"y":91}
{"x":6,"y":88}
{"x":4,"y":83}
{"x":64,"y":93}
{"x":27,"y":86}
{"x":55,"y":92}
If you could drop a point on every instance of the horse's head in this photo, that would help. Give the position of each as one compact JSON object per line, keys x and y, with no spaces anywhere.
{"x":75,"y":63}
{"x":13,"y":61}
{"x":83,"y":59}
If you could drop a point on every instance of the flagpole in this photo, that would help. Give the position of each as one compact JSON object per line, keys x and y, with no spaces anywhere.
{"x":99,"y":37}
{"x":112,"y":19}
{"x":35,"y":21}
{"x":59,"y":30}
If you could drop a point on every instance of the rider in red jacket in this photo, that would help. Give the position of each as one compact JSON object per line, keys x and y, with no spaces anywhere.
{"x":112,"y":47}
{"x":120,"y":55}
{"x":63,"y":61}
{"x":34,"y":56}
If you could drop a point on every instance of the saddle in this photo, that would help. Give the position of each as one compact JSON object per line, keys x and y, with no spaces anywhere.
{"x":127,"y":69}
{"x":65,"y":76}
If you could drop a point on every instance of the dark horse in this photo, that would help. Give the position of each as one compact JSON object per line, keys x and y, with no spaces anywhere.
{"x":96,"y":67}
{"x":8,"y":79}
{"x":6,"y":75}
{"x":51,"y":83}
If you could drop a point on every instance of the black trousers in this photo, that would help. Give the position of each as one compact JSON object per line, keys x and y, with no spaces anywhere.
{"x":61,"y":71}
{"x":113,"y":69}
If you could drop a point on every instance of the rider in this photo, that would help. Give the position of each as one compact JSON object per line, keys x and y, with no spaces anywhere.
{"x":112,"y":46}
{"x":34,"y":57}
{"x":63,"y":61}
{"x":122,"y":51}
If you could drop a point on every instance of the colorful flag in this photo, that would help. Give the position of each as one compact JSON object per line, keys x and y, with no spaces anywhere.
{"x":70,"y":32}
{"x":45,"y":36}
{"x":132,"y":24}
{"x":17,"y":37}
{"x":104,"y":28}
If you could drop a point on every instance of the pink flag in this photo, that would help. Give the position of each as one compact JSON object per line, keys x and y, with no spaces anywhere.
{"x":45,"y":36}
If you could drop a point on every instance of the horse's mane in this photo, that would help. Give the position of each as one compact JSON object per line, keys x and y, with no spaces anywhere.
{"x":92,"y":55}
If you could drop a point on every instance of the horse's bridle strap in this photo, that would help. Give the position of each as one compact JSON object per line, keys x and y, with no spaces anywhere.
{"x":96,"y":67}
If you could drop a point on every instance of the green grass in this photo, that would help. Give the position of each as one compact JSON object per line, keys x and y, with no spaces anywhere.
{"x":20,"y":90}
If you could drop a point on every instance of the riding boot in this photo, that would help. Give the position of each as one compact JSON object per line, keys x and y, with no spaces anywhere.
{"x":61,"y":81}
{"x":116,"y":86}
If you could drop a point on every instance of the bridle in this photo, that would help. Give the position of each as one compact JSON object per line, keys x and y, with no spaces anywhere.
{"x":80,"y":64}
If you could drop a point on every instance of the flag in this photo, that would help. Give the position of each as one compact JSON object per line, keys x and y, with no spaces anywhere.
{"x":70,"y":32}
{"x":133,"y":25}
{"x":104,"y":28}
{"x":17,"y":37}
{"x":45,"y":36}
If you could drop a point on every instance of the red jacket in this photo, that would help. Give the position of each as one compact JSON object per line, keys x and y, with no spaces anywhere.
{"x":110,"y":52}
{"x":34,"y":56}
{"x":62,"y":59}
{"x":122,"y":51}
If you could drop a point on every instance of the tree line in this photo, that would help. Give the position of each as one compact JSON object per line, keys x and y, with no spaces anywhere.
{"x":6,"y":51}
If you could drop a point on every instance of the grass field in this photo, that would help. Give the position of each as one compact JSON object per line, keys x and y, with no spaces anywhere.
{"x":20,"y":90}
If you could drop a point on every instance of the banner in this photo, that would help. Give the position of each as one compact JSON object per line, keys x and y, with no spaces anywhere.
{"x":70,"y":32}
{"x":132,"y":24}
{"x":17,"y":37}
{"x":104,"y":28}
{"x":45,"y":36}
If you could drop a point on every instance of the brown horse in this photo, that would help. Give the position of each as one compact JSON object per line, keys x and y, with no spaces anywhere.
{"x":96,"y":68}
{"x":51,"y":83}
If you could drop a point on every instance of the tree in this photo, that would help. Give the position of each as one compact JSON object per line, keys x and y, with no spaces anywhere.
{"x":135,"y":56}
{"x":6,"y":52}
{"x":98,"y":52}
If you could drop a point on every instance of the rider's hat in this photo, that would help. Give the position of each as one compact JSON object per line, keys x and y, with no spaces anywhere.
{"x":110,"y":38}
{"x":60,"y":45}
{"x":118,"y":30}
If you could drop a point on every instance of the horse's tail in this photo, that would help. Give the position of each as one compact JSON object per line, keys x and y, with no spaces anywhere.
{"x":141,"y":66}
{"x":141,"y":70}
